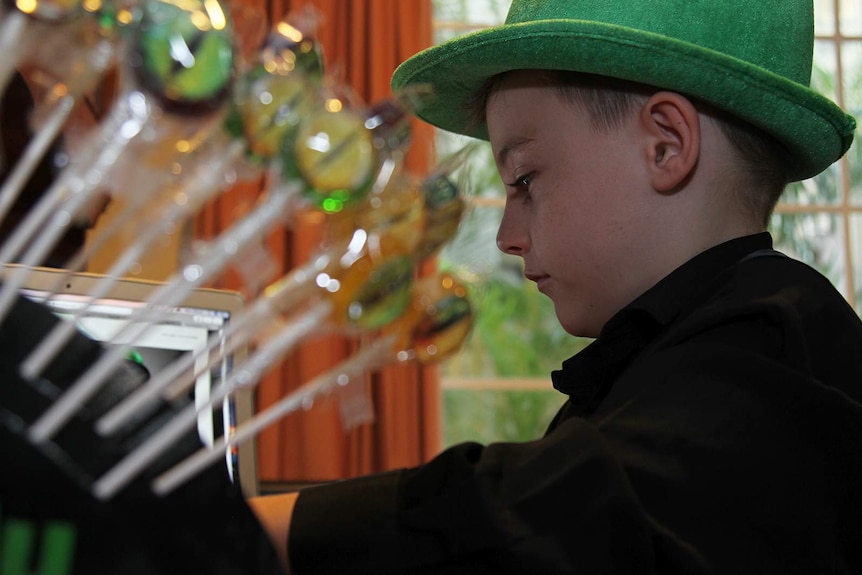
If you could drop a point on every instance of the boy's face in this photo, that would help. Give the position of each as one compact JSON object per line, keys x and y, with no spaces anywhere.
{"x":576,"y":200}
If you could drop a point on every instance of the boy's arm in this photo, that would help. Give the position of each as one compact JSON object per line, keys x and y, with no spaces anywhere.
{"x":274,"y":513}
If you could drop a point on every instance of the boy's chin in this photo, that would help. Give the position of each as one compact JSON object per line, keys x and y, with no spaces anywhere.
{"x":577,"y":323}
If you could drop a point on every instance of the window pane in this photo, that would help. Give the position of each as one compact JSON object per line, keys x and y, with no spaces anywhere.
{"x":488,"y":415}
{"x":851,"y":55}
{"x":815,"y":238}
{"x":856,"y":259}
{"x":479,"y":174}
{"x":825,"y":69}
{"x":824,"y":18}
{"x":476,"y":12}
{"x":851,"y":60}
{"x":851,"y":15}
{"x":821,"y":189}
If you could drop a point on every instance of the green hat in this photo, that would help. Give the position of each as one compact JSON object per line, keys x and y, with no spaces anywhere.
{"x":751,"y":58}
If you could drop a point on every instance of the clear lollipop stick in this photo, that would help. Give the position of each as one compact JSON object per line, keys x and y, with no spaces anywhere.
{"x":80,"y":69}
{"x":279,"y":297}
{"x":145,"y":395}
{"x":38,"y":250}
{"x":297,"y":286}
{"x":126,"y":470}
{"x":51,"y":122}
{"x":84,"y":177}
{"x":435,"y":326}
{"x":225,"y":248}
{"x":16,"y":39}
{"x":294,"y":287}
{"x":82,"y":256}
{"x":201,"y":187}
{"x":377,"y":354}
{"x":35,"y":151}
{"x":248,"y":375}
{"x":51,"y":344}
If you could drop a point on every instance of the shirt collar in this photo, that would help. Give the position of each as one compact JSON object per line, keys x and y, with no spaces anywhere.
{"x":587,"y":376}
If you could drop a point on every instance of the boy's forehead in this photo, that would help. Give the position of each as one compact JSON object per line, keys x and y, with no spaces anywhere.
{"x":521,"y":78}
{"x":509,"y":89}
{"x":519,"y":113}
{"x":509,"y":83}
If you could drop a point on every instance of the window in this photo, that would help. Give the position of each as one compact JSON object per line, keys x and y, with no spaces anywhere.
{"x":498,"y":388}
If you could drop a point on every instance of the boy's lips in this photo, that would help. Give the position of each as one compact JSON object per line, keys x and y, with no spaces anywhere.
{"x":540,"y":279}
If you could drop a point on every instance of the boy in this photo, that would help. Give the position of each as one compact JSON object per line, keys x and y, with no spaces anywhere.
{"x":715,"y":424}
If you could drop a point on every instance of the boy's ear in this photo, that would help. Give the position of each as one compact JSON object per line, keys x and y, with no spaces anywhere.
{"x":672,"y":125}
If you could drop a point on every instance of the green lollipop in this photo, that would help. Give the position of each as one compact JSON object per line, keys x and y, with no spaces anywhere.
{"x":183,"y":54}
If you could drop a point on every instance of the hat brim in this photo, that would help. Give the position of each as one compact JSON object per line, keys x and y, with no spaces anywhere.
{"x":814,"y":130}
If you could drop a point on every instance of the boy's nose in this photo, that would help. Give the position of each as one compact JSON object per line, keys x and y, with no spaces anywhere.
{"x":512,"y":237}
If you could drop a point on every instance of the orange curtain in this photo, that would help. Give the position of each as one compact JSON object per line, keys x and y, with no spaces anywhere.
{"x":365,"y":40}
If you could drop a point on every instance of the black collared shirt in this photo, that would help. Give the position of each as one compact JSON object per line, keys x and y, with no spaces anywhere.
{"x":586,"y":376}
{"x":714,"y":426}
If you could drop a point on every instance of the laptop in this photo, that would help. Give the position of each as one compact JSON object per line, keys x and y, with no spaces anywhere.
{"x":184,"y":328}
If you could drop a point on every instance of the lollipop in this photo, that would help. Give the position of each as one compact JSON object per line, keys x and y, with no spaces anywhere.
{"x":333,"y":151}
{"x":392,"y":192}
{"x":365,"y":277}
{"x":267,"y":214}
{"x":444,"y":204}
{"x":390,"y":127}
{"x":24,"y":24}
{"x":159,"y":28}
{"x":378,"y":300}
{"x":185,"y":55}
{"x":220,"y":162}
{"x":277,"y":92}
{"x":165,"y":33}
{"x":372,"y":296}
{"x":439,"y":321}
{"x":80,"y":51}
{"x":209,"y":174}
{"x":361,"y":287}
{"x":270,"y":110}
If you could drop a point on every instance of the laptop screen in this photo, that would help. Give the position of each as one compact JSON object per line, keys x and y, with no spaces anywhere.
{"x":183,"y":329}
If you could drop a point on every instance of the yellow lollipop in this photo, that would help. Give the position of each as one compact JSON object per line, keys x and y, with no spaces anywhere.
{"x":393,"y":217}
{"x":334,"y":153}
{"x":444,"y":208}
{"x":436,"y":322}
{"x":271,"y":109}
{"x":278,"y":92}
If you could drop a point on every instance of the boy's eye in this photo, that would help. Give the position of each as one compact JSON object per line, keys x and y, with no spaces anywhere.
{"x":522,"y":182}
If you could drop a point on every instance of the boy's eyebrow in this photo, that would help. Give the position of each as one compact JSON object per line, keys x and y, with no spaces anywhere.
{"x":509,"y":147}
